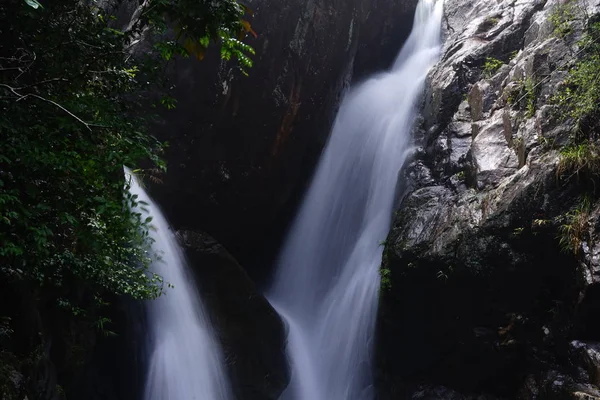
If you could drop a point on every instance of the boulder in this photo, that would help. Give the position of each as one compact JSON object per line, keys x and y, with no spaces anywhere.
{"x":250,"y":330}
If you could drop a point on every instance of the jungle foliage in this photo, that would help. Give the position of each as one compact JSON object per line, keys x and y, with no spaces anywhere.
{"x":75,"y":91}
{"x":73,"y":94}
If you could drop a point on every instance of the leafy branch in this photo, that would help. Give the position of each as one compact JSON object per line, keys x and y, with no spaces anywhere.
{"x":25,"y":96}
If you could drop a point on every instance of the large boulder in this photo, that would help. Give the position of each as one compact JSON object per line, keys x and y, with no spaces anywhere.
{"x":250,"y":330}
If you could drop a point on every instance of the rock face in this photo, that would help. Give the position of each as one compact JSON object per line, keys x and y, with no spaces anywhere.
{"x":241,"y":148}
{"x":53,"y":354}
{"x":483,"y":298}
{"x":251,"y":332}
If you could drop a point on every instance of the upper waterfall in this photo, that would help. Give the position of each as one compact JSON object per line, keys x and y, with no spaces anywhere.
{"x":327,"y":278}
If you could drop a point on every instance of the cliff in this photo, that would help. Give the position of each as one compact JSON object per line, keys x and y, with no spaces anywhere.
{"x":492,"y":260}
{"x":242,"y":148}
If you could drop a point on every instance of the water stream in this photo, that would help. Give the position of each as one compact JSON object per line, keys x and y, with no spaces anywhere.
{"x":327,"y":280}
{"x":184,"y":358}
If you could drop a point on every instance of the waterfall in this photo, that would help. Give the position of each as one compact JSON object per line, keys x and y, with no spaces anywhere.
{"x":327,"y":280}
{"x":184,"y":357}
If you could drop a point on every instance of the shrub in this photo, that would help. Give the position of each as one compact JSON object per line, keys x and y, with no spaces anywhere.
{"x":562,"y":17}
{"x":574,"y":231}
{"x":578,"y":159}
{"x":490,"y":66}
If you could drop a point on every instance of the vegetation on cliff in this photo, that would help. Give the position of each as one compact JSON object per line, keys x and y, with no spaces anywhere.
{"x":501,"y":269}
{"x":578,"y":100}
{"x":72,"y":95}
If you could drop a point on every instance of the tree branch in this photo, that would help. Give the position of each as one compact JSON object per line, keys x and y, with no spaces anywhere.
{"x":24,"y":96}
{"x":42,"y":83}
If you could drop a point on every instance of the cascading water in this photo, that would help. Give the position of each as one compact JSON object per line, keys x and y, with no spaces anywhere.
{"x":184,"y":358}
{"x":327,"y":282}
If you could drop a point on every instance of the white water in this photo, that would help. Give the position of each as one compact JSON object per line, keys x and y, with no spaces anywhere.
{"x":327,"y":282}
{"x":184,"y":358}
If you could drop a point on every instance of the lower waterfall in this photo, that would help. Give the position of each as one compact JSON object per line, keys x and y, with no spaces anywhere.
{"x":184,"y":359}
{"x":327,"y":280}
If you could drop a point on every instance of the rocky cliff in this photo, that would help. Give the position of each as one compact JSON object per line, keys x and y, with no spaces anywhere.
{"x":241,"y":148}
{"x":492,"y":262}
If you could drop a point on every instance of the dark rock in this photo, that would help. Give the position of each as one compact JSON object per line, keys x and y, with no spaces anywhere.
{"x":587,"y":355}
{"x":242,"y":148}
{"x":443,"y":393}
{"x":251,"y":332}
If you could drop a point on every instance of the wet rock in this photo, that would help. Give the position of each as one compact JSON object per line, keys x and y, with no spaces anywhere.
{"x":251,"y":331}
{"x":444,"y":393}
{"x":587,"y":355}
{"x":483,"y":297}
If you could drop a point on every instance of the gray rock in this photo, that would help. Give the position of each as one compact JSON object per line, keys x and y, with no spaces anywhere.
{"x":473,"y":251}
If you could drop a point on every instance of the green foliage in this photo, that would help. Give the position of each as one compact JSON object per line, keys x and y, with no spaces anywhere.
{"x":524,"y":96}
{"x":194,"y":24}
{"x":530,"y":96}
{"x":579,"y":98}
{"x":72,"y":98}
{"x":579,"y":159}
{"x":73,"y":112}
{"x":101,"y":324}
{"x":562,"y":18}
{"x":574,"y":231}
{"x":386,"y":278}
{"x":490,"y":66}
{"x":168,"y":102}
{"x":518,"y":231}
{"x":492,"y":21}
{"x":68,"y":126}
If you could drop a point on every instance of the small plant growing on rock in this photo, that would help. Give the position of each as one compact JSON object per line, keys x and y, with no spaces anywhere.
{"x":490,"y":66}
{"x":579,"y":97}
{"x":517,"y":143}
{"x":512,"y":94}
{"x":493,"y":20}
{"x":545,"y":142}
{"x":524,"y":96}
{"x":577,"y":159}
{"x":530,"y":96}
{"x":573,"y":232}
{"x":541,"y":222}
{"x":578,"y":102}
{"x":489,"y":23}
{"x":561,"y":18}
{"x":518,"y":231}
{"x":386,"y":278}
